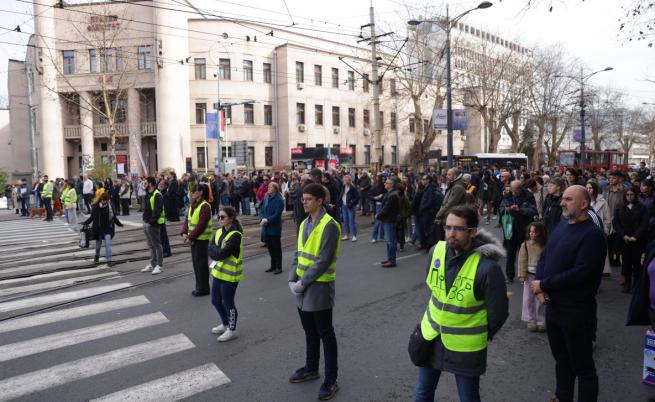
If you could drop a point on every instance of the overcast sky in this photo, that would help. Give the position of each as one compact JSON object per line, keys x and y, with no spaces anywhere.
{"x":587,"y":29}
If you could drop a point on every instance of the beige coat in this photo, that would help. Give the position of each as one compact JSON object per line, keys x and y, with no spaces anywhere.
{"x":529,"y":253}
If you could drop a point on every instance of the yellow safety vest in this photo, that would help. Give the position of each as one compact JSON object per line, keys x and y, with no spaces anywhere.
{"x":67,"y":194}
{"x":308,"y":252}
{"x":47,"y":190}
{"x":162,"y":216}
{"x":457,"y":316}
{"x":231,"y":268}
{"x":194,"y":219}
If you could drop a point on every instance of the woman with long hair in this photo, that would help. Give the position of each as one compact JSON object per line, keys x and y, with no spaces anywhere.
{"x":602,"y":209}
{"x":103,"y":220}
{"x":270,"y":214}
{"x":631,"y":226}
{"x":226,"y":249}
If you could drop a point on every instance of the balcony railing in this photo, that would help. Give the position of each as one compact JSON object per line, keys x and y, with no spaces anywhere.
{"x":148,"y":128}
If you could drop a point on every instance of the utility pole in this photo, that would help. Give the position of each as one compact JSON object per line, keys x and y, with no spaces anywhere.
{"x":377,"y":127}
{"x":30,"y":110}
{"x":583,"y":139}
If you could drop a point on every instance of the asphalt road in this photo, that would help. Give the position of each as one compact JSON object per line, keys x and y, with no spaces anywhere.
{"x":375,"y":311}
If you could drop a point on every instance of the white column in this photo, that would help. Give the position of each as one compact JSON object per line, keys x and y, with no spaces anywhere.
{"x":172,"y":88}
{"x":86,"y":135}
{"x":134,"y":128}
{"x":52,"y":132}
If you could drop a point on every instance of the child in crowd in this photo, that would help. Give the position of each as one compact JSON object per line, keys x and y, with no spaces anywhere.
{"x":533,"y":311}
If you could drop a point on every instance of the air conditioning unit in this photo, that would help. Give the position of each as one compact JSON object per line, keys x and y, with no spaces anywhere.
{"x":301,"y":128}
{"x":336,"y":130}
{"x":367,"y":132}
{"x":300,"y":86}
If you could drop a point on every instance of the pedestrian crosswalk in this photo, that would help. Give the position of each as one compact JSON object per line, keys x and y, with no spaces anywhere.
{"x":27,"y":231}
{"x":45,"y":354}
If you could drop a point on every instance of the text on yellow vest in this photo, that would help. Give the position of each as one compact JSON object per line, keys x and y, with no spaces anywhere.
{"x":229,"y":269}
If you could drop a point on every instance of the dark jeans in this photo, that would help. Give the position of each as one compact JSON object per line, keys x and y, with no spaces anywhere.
{"x":425,"y":235}
{"x":48,"y":208}
{"x":366,"y":204}
{"x":163,"y":237}
{"x":25,"y":205}
{"x":612,"y":253}
{"x":318,"y":327}
{"x":125,"y":206}
{"x":630,"y":262}
{"x":88,"y":199}
{"x":275,"y":250}
{"x":223,"y":293}
{"x":390,"y":237}
{"x":571,"y":347}
{"x":468,"y":388}
{"x":512,"y":247}
{"x":199,"y":258}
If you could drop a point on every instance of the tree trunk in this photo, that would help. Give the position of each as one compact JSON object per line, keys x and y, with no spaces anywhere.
{"x":541,"y":133}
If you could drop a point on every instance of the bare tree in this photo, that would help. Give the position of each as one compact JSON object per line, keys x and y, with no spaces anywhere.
{"x":629,"y":127}
{"x":101,"y":38}
{"x":548,"y":95}
{"x":559,"y":127}
{"x":600,"y":111}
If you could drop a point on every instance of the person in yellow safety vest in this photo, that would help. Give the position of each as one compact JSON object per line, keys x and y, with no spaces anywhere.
{"x":467,"y":306}
{"x":226,"y":249}
{"x":69,"y":197}
{"x":153,"y":217}
{"x":46,"y":195}
{"x":311,"y":280}
{"x":196,"y":232}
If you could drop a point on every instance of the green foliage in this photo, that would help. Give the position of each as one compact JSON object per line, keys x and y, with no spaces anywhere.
{"x":101,"y":170}
{"x":4,"y":178}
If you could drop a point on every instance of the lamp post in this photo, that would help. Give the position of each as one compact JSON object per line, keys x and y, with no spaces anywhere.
{"x":449,"y":99}
{"x":583,"y":138}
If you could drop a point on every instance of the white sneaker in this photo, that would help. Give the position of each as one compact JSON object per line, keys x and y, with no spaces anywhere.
{"x":157,"y":270}
{"x":219,"y":330}
{"x":148,"y":268}
{"x":345,"y":237}
{"x":354,"y":238}
{"x":228,"y":336}
{"x":373,"y":240}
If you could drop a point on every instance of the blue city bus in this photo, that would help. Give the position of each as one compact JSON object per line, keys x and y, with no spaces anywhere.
{"x":480,"y":160}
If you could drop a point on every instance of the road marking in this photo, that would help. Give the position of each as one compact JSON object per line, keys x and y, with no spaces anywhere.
{"x":53,"y":284}
{"x":172,"y":388}
{"x":59,"y":297}
{"x":86,"y":367}
{"x":77,"y":336}
{"x":402,"y":258}
{"x":133,"y":224}
{"x":48,"y":276}
{"x":71,"y":313}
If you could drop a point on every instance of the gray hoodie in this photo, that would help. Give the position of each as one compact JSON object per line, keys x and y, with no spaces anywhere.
{"x":489,"y":286}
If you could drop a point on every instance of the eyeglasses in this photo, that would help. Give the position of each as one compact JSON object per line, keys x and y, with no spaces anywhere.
{"x":221,"y":217}
{"x":457,"y":229}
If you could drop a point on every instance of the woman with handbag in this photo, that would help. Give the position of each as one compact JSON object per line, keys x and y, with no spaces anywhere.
{"x":103,"y":220}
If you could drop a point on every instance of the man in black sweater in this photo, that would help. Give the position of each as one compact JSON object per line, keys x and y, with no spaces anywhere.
{"x":388,"y":215}
{"x":568,"y":276}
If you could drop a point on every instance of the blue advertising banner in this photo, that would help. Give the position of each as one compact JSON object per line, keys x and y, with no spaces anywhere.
{"x":459,"y":120}
{"x":211,"y":126}
{"x":440,"y":119}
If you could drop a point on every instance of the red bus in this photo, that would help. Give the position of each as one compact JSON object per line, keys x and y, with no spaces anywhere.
{"x":595,"y":160}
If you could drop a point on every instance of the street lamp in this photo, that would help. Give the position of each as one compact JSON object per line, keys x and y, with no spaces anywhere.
{"x":449,"y":99}
{"x":583,"y":138}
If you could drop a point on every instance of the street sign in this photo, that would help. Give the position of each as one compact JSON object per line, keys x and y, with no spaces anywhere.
{"x":240,"y":152}
{"x":211,"y":126}
{"x":440,"y":119}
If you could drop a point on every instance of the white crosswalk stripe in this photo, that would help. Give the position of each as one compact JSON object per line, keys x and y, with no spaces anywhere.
{"x":172,"y":388}
{"x":35,"y":231}
{"x":53,"y":284}
{"x":174,"y":385}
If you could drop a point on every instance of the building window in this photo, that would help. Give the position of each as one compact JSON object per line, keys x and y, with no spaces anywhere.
{"x":365,"y":83}
{"x":318,"y":75}
{"x":201,"y":111}
{"x":335,"y":116}
{"x":69,"y":61}
{"x":103,"y":146}
{"x":394,"y":156}
{"x":381,"y":119}
{"x":351,"y":117}
{"x":318,"y":115}
{"x":382,"y":154}
{"x":93,"y":61}
{"x":249,"y":113}
{"x":335,"y":78}
{"x":251,"y":156}
{"x":367,"y":154}
{"x":412,"y":125}
{"x":120,"y":65}
{"x":267,"y":73}
{"x":145,"y":57}
{"x":247,"y":70}
{"x":107,"y":59}
{"x":300,"y":113}
{"x":354,"y":153}
{"x":200,"y":68}
{"x":228,"y":113}
{"x":392,"y":86}
{"x":426,"y":125}
{"x":300,"y":71}
{"x":301,"y":145}
{"x":200,"y":157}
{"x":268,"y":115}
{"x":381,"y":85}
{"x":392,"y":121}
{"x":351,"y":80}
{"x":367,"y":119}
{"x":224,"y":69}
{"x":268,"y":156}
{"x":318,"y":146}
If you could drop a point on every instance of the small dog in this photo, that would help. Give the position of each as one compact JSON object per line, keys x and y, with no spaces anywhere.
{"x":57,"y":207}
{"x":40,"y":212}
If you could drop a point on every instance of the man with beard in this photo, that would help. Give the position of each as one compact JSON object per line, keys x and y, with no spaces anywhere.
{"x":568,"y":276}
